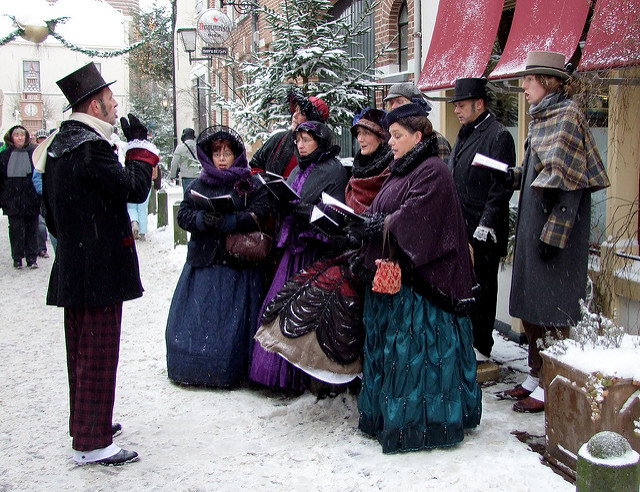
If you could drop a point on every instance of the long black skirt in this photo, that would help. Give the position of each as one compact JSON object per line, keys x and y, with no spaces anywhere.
{"x":211,"y":324}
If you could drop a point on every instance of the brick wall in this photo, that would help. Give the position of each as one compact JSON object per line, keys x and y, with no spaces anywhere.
{"x":385,"y":24}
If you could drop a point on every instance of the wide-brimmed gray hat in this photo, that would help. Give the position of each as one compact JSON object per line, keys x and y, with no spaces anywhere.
{"x":546,"y":63}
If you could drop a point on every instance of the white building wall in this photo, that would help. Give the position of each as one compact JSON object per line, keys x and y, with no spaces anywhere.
{"x":56,"y":61}
{"x":185,"y":17}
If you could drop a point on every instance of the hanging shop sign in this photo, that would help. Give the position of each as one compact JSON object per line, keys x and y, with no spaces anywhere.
{"x":215,"y":50}
{"x":213,"y":27}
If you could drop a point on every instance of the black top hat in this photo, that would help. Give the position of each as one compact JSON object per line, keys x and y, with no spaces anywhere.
{"x":82,"y":83}
{"x":469,"y":88}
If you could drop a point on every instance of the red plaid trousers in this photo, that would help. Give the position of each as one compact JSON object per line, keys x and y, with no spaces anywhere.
{"x":93,"y":343}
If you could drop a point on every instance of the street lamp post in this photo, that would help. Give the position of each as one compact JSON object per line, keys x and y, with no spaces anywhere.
{"x":188,"y":38}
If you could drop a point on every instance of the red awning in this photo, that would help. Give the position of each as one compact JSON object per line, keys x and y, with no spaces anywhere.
{"x":614,"y":36}
{"x":461,"y":43}
{"x":545,"y":25}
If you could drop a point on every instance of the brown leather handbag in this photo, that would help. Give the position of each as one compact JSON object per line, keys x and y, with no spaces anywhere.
{"x":249,"y":246}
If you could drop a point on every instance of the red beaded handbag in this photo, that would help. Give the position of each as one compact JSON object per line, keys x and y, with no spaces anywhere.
{"x":388,"y":277}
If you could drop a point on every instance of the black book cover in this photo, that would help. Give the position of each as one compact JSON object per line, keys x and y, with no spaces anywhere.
{"x":221,"y":203}
{"x":324,"y":222}
{"x":279,"y":187}
{"x":339,"y":212}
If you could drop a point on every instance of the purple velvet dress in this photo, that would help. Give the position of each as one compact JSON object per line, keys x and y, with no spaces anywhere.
{"x":301,"y":248}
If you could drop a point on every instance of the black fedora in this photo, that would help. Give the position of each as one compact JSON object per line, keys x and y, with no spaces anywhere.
{"x":82,"y":83}
{"x":470,"y":88}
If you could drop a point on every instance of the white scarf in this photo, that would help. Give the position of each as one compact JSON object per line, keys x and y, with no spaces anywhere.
{"x":103,"y":128}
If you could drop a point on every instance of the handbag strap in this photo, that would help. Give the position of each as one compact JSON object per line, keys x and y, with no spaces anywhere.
{"x":255,"y":217}
{"x":387,"y":239}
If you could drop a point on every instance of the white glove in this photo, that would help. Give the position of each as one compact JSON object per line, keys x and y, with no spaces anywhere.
{"x":483,"y":233}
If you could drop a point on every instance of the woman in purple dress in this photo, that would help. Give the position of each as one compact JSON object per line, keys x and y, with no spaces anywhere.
{"x":318,"y":171}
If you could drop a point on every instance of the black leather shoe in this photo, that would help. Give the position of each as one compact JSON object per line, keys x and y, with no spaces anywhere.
{"x":120,"y":458}
{"x":116,"y":429}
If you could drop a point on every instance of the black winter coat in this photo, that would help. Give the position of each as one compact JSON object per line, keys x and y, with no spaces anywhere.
{"x":206,"y":246}
{"x":17,"y":194}
{"x":86,"y":190}
{"x":275,"y":154}
{"x":483,"y":198}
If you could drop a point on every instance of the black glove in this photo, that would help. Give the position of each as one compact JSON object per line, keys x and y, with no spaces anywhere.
{"x":212,"y":220}
{"x":369,"y":229}
{"x":133,"y":129}
{"x":344,"y":242}
{"x":547,"y":251}
{"x":506,"y":179}
{"x":301,"y":211}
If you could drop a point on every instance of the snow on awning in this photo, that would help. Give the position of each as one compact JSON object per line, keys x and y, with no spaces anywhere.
{"x":544,"y":25}
{"x":614,"y":36}
{"x":461,"y":43}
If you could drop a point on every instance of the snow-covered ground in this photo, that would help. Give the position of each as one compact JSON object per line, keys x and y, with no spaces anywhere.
{"x":196,"y":439}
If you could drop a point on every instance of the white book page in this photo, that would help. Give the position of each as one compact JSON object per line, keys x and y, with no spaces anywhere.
{"x":329,"y":200}
{"x":481,"y":160}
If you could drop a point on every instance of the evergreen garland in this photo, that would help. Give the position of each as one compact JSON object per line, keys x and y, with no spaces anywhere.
{"x":11,"y":36}
{"x":97,"y":53}
{"x":51,"y":25}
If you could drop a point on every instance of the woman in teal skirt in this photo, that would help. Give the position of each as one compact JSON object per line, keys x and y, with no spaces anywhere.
{"x":419,"y":386}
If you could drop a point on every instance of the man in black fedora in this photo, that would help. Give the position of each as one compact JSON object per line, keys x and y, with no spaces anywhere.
{"x":484,"y":199}
{"x":86,"y":190}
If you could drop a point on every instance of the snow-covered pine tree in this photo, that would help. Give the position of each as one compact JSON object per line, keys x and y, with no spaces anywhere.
{"x":309,"y":50}
{"x":151,"y":69}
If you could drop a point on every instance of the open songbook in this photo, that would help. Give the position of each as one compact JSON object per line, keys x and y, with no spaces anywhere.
{"x":332,"y":216}
{"x":323,"y":222}
{"x":279,"y":187}
{"x":336,"y":208}
{"x":221,"y":204}
{"x":481,"y":160}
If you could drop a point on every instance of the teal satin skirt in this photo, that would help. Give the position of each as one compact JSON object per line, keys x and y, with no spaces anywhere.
{"x":419,"y":386}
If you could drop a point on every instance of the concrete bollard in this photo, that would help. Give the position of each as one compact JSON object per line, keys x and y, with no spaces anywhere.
{"x":153,"y":205}
{"x":163,"y":211}
{"x":179,"y":234}
{"x":606,"y":463}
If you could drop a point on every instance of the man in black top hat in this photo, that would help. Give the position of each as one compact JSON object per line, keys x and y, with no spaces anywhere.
{"x":86,"y":190}
{"x":484,"y":199}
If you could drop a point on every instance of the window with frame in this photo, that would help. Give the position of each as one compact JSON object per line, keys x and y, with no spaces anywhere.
{"x":31,"y":76}
{"x":403,"y":37}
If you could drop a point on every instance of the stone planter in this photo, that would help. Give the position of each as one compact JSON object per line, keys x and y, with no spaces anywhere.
{"x":580,"y":402}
